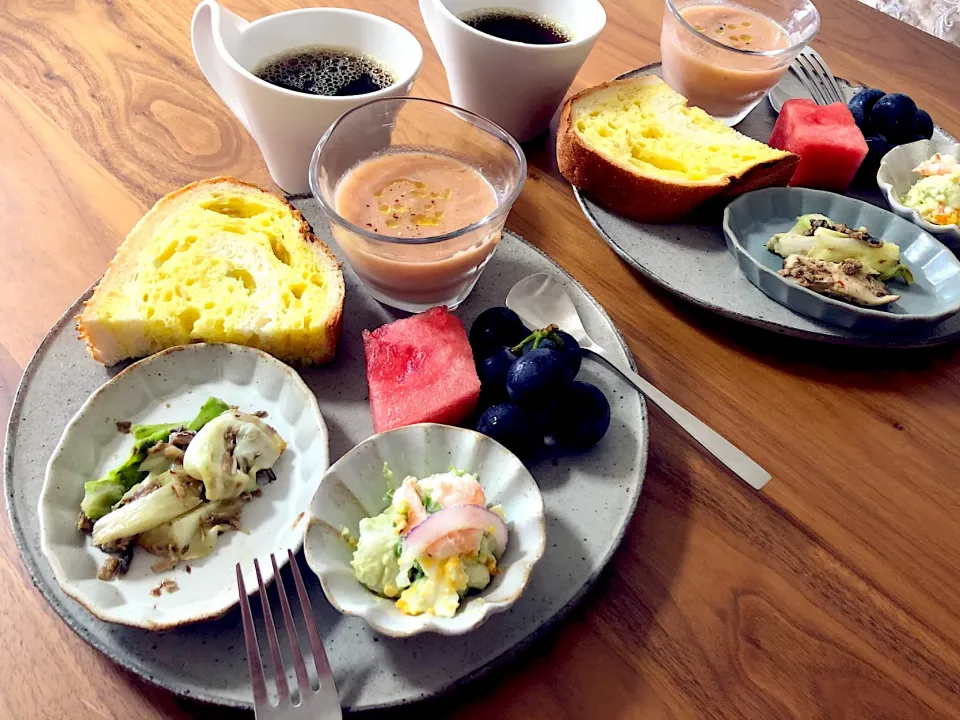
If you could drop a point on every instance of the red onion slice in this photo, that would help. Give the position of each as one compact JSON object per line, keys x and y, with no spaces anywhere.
{"x":451,"y":520}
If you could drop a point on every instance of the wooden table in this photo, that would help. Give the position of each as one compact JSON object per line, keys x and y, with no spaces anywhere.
{"x":832,"y":593}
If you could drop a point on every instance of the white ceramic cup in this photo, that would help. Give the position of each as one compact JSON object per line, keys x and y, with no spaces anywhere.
{"x":517,"y":85}
{"x":287,"y":125}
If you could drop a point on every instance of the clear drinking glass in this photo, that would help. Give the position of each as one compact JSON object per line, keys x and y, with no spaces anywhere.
{"x":415,"y":274}
{"x":724,"y":57}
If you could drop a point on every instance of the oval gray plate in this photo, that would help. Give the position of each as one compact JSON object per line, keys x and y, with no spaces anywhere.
{"x":589,"y":500}
{"x":752,"y":219}
{"x":691,"y":260}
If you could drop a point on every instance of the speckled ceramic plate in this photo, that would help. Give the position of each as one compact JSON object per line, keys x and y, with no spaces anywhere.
{"x":170,"y":387}
{"x":588,"y":498}
{"x":691,"y":260}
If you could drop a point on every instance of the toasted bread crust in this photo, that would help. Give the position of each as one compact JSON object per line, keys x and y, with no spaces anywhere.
{"x":649,"y":199}
{"x":324,"y":256}
{"x":129,"y":249}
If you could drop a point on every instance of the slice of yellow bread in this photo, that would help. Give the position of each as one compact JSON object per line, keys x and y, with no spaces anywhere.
{"x":220,"y":260}
{"x":635,"y":146}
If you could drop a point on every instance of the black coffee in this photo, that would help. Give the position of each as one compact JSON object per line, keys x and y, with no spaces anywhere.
{"x":320,"y":70}
{"x":518,"y":26}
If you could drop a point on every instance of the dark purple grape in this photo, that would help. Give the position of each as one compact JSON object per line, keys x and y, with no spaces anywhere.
{"x":583,"y":418}
{"x":492,"y":371}
{"x":509,"y":426}
{"x":924,"y":125}
{"x":537,"y":377}
{"x":860,"y":106}
{"x":859,"y":117}
{"x":564,"y":343}
{"x":493,"y":368}
{"x":895,"y":117}
{"x":571,"y":348}
{"x":877,"y":148}
{"x":544,"y":344}
{"x":495,"y":328}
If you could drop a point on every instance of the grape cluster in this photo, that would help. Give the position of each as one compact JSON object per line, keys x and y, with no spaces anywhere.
{"x":887,"y":120}
{"x":529,"y":393}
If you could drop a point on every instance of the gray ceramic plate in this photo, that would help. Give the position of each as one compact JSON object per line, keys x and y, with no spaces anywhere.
{"x":691,"y":259}
{"x":589,"y":500}
{"x":751,"y":220}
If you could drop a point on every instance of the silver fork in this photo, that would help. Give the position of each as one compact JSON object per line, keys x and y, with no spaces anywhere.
{"x":307,"y":701}
{"x":812,"y":71}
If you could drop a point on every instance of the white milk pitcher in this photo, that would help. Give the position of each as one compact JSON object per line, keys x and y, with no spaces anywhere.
{"x":287,"y":124}
{"x":517,"y":85}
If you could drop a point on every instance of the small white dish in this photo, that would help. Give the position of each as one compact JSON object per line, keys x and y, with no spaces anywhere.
{"x":896,"y":177}
{"x":354,"y":488}
{"x":168,"y":387}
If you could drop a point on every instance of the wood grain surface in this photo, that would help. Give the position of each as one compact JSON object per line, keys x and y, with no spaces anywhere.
{"x":833,"y":593}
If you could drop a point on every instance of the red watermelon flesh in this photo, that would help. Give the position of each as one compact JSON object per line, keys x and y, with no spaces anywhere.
{"x":420,"y":369}
{"x":828,"y":141}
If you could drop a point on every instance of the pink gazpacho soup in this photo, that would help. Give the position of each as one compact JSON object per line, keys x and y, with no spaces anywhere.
{"x":412,"y":196}
{"x":717,"y":79}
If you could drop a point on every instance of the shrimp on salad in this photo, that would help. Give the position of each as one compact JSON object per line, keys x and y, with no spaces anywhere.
{"x":435,"y":542}
{"x":936,"y":195}
{"x":937,"y":165}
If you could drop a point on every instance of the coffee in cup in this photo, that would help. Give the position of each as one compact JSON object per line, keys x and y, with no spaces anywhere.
{"x":324,"y":70}
{"x":518,"y":26}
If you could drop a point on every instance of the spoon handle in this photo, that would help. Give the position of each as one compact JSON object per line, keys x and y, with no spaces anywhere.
{"x":721,"y":448}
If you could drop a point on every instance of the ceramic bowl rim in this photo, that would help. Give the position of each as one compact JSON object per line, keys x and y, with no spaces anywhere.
{"x":429,"y":623}
{"x":855,"y":309}
{"x":68,"y":586}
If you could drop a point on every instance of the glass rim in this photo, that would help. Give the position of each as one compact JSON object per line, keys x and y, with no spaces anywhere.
{"x":750,"y":53}
{"x":485,"y":124}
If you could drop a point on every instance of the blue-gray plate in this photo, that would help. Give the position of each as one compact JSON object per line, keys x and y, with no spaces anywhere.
{"x":690,"y":258}
{"x":750,"y":221}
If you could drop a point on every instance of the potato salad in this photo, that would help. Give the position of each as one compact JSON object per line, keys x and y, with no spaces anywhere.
{"x":436,"y":541}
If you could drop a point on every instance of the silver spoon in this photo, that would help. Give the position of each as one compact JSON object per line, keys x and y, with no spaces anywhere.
{"x":540,"y":301}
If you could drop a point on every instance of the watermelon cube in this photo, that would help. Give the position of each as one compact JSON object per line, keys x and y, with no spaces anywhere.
{"x":828,"y":141}
{"x":420,"y":369}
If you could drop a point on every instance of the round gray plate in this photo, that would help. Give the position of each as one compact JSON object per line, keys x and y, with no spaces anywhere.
{"x":589,"y":500}
{"x":691,"y":260}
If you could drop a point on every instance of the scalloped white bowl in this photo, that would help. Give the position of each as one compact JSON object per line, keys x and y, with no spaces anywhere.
{"x":896,"y":177}
{"x":168,"y":387}
{"x":354,"y":488}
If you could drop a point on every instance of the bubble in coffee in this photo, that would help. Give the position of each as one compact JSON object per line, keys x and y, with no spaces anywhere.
{"x":322,"y":70}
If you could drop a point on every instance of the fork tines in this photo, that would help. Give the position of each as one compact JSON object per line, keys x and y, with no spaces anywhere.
{"x":318,"y":698}
{"x":812,"y":71}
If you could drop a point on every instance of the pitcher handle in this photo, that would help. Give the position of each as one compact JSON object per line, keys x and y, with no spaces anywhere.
{"x":210,"y":22}
{"x":431,"y":20}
